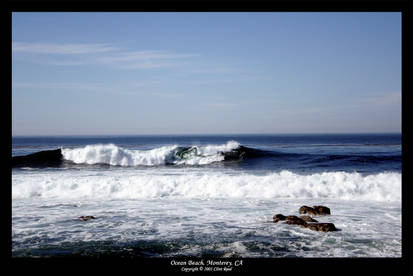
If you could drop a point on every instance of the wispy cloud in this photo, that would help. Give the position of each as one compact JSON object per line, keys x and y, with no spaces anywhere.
{"x":62,"y":49}
{"x":167,"y":95}
{"x":384,"y":99}
{"x":144,"y":59}
{"x":215,"y":70}
{"x":60,"y":86}
{"x":101,"y":54}
{"x":143,"y":56}
{"x":146,"y":64}
{"x":220,"y":105}
{"x":116,"y":57}
{"x":104,"y":54}
{"x":123,"y":88}
{"x":377,"y":101}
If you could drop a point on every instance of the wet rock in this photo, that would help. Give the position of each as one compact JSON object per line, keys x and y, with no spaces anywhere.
{"x":307,"y":210}
{"x":279,"y":217}
{"x":322,"y":210}
{"x":316,"y":210}
{"x":308,"y":219}
{"x":295,"y":220}
{"x":323,"y":227}
{"x":86,"y":218}
{"x":289,"y":219}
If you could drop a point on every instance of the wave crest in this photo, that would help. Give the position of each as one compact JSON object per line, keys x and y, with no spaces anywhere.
{"x":168,"y":155}
{"x":128,"y":184}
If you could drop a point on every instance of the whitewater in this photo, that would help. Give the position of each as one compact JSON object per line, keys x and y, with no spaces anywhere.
{"x":196,"y":183}
{"x":208,"y":196}
{"x":113,"y":155}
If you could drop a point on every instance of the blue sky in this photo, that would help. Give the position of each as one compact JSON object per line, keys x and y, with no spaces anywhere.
{"x":205,"y":73}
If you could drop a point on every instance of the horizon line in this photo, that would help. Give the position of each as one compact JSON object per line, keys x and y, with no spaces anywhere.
{"x":206,"y":134}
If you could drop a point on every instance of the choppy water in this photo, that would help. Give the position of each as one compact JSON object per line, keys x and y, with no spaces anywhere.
{"x":202,"y":196}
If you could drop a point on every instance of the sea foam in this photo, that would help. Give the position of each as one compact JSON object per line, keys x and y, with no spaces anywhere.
{"x":117,"y":156}
{"x":130,"y":183}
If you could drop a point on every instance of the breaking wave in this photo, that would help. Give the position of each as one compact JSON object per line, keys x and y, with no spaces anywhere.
{"x":144,"y":184}
{"x":168,"y":155}
{"x":113,"y":155}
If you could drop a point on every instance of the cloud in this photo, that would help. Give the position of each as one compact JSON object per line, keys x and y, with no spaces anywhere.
{"x":146,"y":65}
{"x":373,"y":102}
{"x":220,"y":105}
{"x":144,"y":59}
{"x":215,"y":70}
{"x":167,"y":95}
{"x":62,"y":49}
{"x":59,"y":86}
{"x":123,"y":88}
{"x":101,"y":54}
{"x":143,"y":56}
{"x":384,"y":99}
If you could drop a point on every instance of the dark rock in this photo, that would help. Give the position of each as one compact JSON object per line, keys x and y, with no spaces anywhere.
{"x":316,"y":210}
{"x":307,"y":210}
{"x":324,"y":227}
{"x":308,"y":219}
{"x":322,"y":210}
{"x":86,"y":218}
{"x":279,"y":217}
{"x":295,"y":220}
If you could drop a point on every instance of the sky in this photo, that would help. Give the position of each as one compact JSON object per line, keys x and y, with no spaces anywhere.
{"x":131,"y":73}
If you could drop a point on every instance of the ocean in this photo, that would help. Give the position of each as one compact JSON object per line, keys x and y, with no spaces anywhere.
{"x":207,"y":196}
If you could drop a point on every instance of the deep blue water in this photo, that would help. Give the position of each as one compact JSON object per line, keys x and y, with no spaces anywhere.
{"x":169,"y":196}
{"x":364,"y":153}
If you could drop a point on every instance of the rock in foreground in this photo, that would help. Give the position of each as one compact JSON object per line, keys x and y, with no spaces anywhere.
{"x":316,"y":210}
{"x":86,"y":218}
{"x":322,"y":210}
{"x":295,"y":220}
{"x":307,"y":221}
{"x":323,"y":227}
{"x":279,"y":217}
